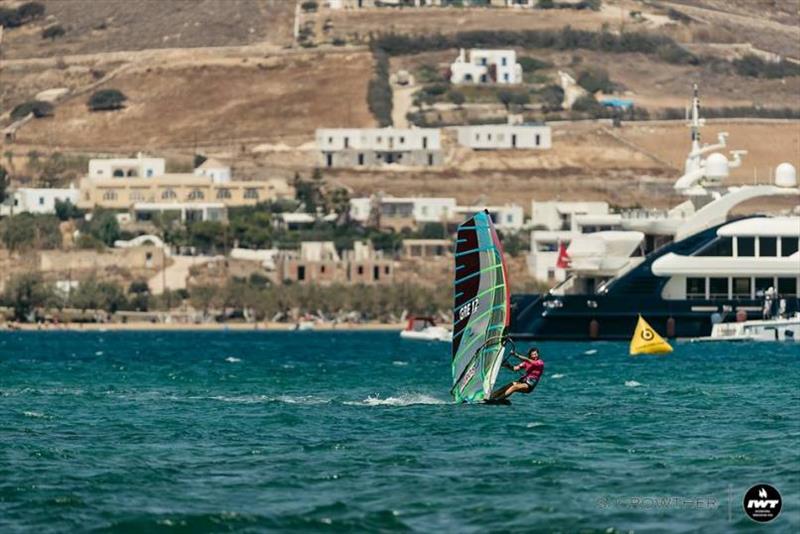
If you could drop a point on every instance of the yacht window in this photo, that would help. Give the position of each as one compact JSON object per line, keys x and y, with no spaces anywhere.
{"x":787,"y":287}
{"x":788,"y":246}
{"x":696,"y":288}
{"x":718,"y":288}
{"x":762,"y":284}
{"x":741,"y":288}
{"x":723,"y":246}
{"x":746,"y":246}
{"x":768,"y":246}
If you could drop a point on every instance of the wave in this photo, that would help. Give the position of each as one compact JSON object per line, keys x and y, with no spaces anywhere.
{"x":406,"y":399}
{"x":266,"y":399}
{"x":35,"y":415}
{"x":399,"y":363}
{"x":557,"y":376}
{"x":633,"y":384}
{"x":590,"y":352}
{"x":231,"y":359}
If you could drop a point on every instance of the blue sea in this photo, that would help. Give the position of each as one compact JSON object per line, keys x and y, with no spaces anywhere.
{"x":355,"y":432}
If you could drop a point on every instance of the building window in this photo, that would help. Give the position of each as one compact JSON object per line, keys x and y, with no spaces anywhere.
{"x":301,"y":272}
{"x":322,"y":269}
{"x":347,"y":142}
{"x":329,"y":160}
{"x":787,"y":287}
{"x":41,"y":201}
{"x":118,"y":173}
{"x":330,"y":140}
{"x":718,"y":288}
{"x":223,"y":194}
{"x":741,"y":288}
{"x":110,"y":195}
{"x":504,"y":62}
{"x":746,"y":246}
{"x":722,"y":246}
{"x":251,"y":193}
{"x":424,"y":141}
{"x":132,"y":173}
{"x":768,"y":246}
{"x":386,"y":270}
{"x":168,"y":194}
{"x":430,"y":159}
{"x":505,"y":77}
{"x":696,"y":288}
{"x":538,"y":139}
{"x":361,"y":159}
{"x":376,"y":272}
{"x":509,"y":218}
{"x":149,"y":173}
{"x":360,"y":269}
{"x":402,"y":140}
{"x":137,"y":196}
{"x":788,"y":246}
{"x":196,"y":194}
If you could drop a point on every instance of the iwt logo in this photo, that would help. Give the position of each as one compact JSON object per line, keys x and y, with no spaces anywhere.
{"x":762,"y":503}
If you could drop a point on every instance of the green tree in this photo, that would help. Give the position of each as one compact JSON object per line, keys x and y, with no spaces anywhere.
{"x":103,"y":227}
{"x":140,"y":295}
{"x":26,"y":231}
{"x":37,"y":107}
{"x":94,"y":295}
{"x":26,"y":292}
{"x":66,"y":210}
{"x":106,"y":100}
{"x":595,"y":79}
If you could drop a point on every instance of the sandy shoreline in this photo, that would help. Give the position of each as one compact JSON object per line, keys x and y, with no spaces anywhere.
{"x":179,"y":327}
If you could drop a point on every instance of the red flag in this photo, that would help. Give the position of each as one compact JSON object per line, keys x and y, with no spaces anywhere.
{"x":563,"y":260}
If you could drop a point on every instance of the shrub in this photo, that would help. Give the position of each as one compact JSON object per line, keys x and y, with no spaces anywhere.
{"x":103,"y":227}
{"x":595,"y":79}
{"x":37,"y":107}
{"x":530,"y":64}
{"x":13,"y":18}
{"x":26,"y":292}
{"x":107,"y":99}
{"x":456,"y":97}
{"x":52,"y":32}
{"x":552,"y":97}
{"x":755,"y":67}
{"x":309,"y":6}
{"x":588,"y":104}
{"x":379,"y":91}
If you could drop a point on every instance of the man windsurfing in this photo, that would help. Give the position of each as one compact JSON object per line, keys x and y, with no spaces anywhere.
{"x":533,"y":368}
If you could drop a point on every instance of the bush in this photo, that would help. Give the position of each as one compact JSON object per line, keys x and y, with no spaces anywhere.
{"x":456,"y":97}
{"x":66,"y":210}
{"x":379,"y":91}
{"x":13,"y":18}
{"x":309,"y":6}
{"x":530,"y":64}
{"x":52,"y":32}
{"x":755,"y":67}
{"x":26,"y":231}
{"x":37,"y":107}
{"x":103,"y":227}
{"x":595,"y":79}
{"x":26,"y":292}
{"x":588,"y":104}
{"x":107,"y":99}
{"x":552,"y":97}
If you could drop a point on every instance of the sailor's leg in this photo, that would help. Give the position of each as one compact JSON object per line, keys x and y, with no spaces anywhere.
{"x":502,"y":392}
{"x":512,"y":388}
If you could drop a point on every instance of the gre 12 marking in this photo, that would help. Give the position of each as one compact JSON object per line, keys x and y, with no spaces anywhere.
{"x":467,"y":310}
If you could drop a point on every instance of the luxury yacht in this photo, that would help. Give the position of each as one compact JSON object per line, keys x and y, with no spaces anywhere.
{"x":684,"y":271}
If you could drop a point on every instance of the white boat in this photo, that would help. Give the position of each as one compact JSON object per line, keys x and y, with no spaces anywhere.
{"x":777,"y":329}
{"x":425,"y":329}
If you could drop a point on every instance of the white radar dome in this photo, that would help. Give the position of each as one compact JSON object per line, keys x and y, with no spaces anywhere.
{"x":786,"y":175}
{"x":717,"y":166}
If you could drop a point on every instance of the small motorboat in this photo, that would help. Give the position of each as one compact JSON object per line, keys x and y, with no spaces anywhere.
{"x":775,"y":329}
{"x":425,"y":329}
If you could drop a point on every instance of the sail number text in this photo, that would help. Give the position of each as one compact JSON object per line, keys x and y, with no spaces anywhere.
{"x":467,"y":310}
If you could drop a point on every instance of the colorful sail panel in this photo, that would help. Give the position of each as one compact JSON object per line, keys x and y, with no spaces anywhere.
{"x":481,"y":309}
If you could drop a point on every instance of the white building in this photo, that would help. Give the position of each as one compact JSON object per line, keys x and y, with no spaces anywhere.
{"x":486,"y":66}
{"x":505,"y":136}
{"x":37,"y":201}
{"x":508,"y":218}
{"x":138,"y":167}
{"x":417,"y":210}
{"x":557,"y":215}
{"x":359,"y":147}
{"x":214,"y":169}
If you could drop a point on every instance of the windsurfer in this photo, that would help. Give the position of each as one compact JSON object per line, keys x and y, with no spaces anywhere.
{"x":533,"y":368}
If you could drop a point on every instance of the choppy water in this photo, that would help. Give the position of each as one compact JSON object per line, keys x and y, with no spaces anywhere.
{"x":354,"y":432}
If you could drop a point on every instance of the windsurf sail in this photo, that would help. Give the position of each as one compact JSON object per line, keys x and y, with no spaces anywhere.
{"x":482,"y":309}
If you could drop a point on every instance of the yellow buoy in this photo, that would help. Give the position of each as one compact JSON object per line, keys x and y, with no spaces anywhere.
{"x":645,"y":340}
